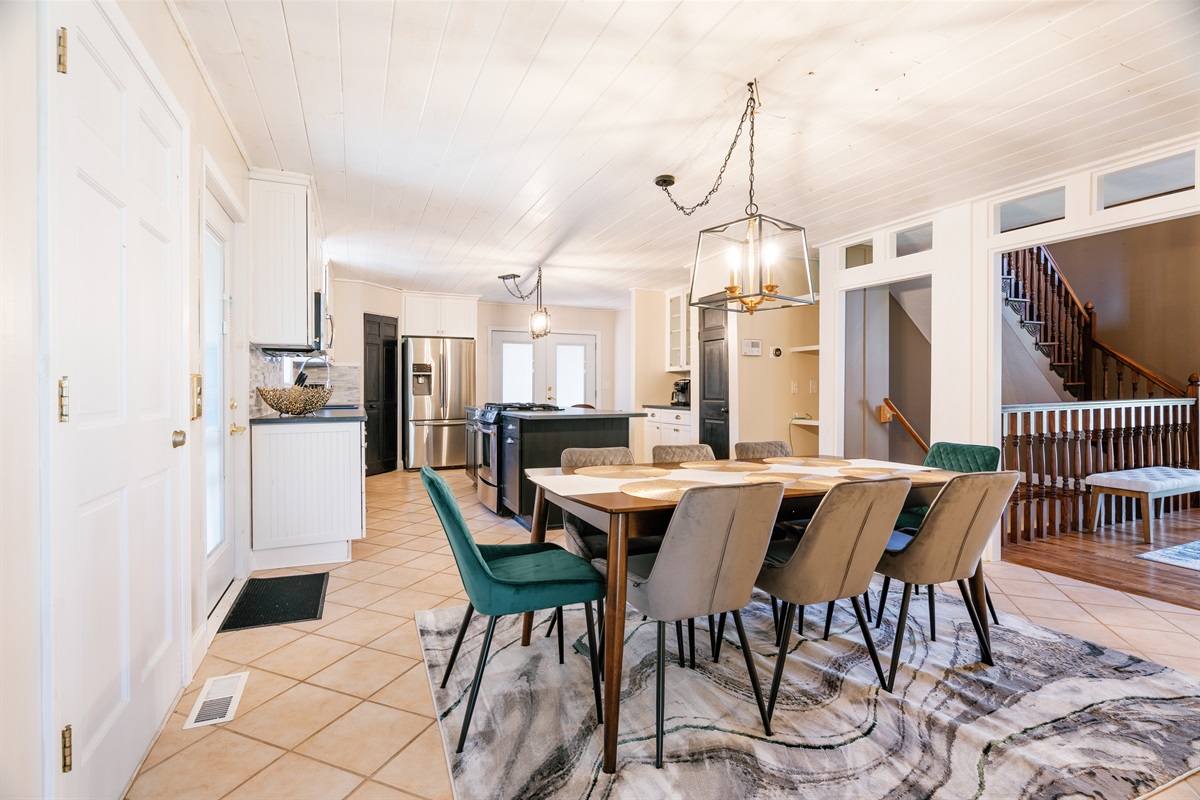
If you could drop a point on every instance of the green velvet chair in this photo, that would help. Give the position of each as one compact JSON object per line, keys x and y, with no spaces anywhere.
{"x":503,"y":579}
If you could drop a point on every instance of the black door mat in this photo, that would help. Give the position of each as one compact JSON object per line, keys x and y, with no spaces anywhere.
{"x":277,"y":601}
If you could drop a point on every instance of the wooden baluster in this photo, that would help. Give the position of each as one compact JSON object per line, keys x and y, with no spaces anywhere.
{"x":1104,"y":373}
{"x":1087,"y":358}
{"x":1027,"y":440}
{"x":1077,"y":473}
{"x":1052,"y":524}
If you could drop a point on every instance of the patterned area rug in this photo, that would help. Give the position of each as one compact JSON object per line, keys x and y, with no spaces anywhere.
{"x":1056,"y":717}
{"x":1181,"y":555}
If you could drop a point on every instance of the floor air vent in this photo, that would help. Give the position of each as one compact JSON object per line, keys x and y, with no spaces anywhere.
{"x":218,"y":700}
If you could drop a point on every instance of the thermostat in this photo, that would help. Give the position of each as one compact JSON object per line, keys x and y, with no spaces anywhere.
{"x":752,"y":347}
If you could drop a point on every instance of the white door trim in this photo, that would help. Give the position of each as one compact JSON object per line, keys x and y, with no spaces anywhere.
{"x":493,"y":387}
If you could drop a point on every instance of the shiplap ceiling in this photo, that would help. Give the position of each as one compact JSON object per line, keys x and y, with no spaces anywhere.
{"x":454,"y":141}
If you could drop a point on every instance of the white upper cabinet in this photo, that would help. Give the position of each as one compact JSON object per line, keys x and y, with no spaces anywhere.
{"x":428,"y":314}
{"x":286,"y":266}
{"x":679,"y":342}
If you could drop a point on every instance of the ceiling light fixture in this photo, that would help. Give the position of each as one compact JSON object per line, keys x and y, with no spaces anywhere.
{"x":539,"y":320}
{"x":751,"y":264}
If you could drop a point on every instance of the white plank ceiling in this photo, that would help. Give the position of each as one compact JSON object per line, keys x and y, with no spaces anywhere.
{"x":454,"y":141}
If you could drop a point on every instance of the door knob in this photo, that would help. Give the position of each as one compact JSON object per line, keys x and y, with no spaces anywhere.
{"x":178,"y":439}
{"x":235,"y":429}
{"x":232,"y":404}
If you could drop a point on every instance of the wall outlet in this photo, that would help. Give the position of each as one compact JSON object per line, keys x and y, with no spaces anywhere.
{"x":812,"y":386}
{"x":795,"y":387}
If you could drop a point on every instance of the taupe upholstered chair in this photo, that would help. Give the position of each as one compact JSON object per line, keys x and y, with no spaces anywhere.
{"x":678,"y":453}
{"x":775,"y":449}
{"x":710,"y":556}
{"x":835,"y":559}
{"x":948,"y":545}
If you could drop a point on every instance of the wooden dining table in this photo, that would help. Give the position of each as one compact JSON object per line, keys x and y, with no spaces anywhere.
{"x":601,"y":502}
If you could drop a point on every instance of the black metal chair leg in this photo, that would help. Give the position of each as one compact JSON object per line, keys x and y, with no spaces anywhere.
{"x":870,"y":642}
{"x":828,"y":621}
{"x":775,"y":613}
{"x":559,"y":616}
{"x":932,"y":616}
{"x":483,"y":654}
{"x":867,"y":603}
{"x":712,"y":634}
{"x":550,"y":627}
{"x":758,"y":695}
{"x":458,"y":640}
{"x":720,"y":637}
{"x":987,"y":597}
{"x":789,"y":610}
{"x":692,"y":643}
{"x":882,"y":600}
{"x":984,"y":645}
{"x":659,"y":691}
{"x":899,"y":643}
{"x":800,"y":621}
{"x":594,"y":657}
{"x":679,"y":639}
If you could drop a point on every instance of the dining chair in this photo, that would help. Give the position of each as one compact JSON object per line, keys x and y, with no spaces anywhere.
{"x":710,"y":555}
{"x":772,"y":449}
{"x":678,"y":453}
{"x":956,"y":458}
{"x":834,"y":560}
{"x":948,"y":545}
{"x":503,"y":579}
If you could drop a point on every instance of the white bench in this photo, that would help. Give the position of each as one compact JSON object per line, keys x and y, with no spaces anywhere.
{"x":1146,"y":484}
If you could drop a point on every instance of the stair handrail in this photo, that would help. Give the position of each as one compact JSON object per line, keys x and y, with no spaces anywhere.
{"x":1138,"y":368}
{"x":911,"y":430}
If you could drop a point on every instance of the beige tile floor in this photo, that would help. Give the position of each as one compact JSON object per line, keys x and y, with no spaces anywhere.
{"x":340,"y":707}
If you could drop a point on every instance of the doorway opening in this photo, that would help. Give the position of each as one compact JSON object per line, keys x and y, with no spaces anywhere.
{"x":558,"y":369}
{"x":381,"y":392}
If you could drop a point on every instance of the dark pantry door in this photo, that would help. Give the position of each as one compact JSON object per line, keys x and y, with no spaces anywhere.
{"x":381,"y":391}
{"x":714,"y":382}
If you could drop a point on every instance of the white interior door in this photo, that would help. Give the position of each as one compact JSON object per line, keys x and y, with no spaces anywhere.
{"x":559,"y":369}
{"x":116,"y":326}
{"x":219,"y":549}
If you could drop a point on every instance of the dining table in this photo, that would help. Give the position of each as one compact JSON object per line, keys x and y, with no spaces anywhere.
{"x":612,"y":503}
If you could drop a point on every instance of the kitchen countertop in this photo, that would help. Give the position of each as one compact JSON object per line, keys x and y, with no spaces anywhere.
{"x":571,"y":413}
{"x":667,"y":407}
{"x":357,"y":414}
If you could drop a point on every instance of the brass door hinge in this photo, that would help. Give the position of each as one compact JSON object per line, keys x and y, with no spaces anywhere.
{"x":66,"y":749}
{"x":64,"y":399}
{"x":62,"y":50}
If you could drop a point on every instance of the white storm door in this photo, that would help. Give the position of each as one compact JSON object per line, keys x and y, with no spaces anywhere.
{"x":116,"y":322}
{"x":219,"y":546}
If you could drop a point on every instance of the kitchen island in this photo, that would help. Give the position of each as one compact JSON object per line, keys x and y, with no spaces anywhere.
{"x":534,"y":439}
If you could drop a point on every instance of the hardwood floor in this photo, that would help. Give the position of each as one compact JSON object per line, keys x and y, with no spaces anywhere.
{"x":1107,"y":558}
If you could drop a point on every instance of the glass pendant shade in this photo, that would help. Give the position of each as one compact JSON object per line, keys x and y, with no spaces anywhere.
{"x":539,"y":323}
{"x":756,"y":263}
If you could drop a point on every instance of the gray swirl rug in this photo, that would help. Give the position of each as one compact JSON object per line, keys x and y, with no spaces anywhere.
{"x":1056,"y":717}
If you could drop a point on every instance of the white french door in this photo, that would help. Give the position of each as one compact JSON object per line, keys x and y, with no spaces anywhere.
{"x":116,"y":322}
{"x":220,"y":555}
{"x":559,"y":369}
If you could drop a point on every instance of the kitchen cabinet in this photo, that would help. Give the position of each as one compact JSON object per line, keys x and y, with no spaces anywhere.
{"x":286,"y":264}
{"x":679,"y":343}
{"x":668,"y":425}
{"x":307,"y":487}
{"x":428,"y":314}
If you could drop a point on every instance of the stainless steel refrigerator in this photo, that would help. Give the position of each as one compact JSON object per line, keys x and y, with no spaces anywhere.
{"x":438,"y":382}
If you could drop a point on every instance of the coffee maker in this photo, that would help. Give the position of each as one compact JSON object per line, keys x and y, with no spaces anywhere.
{"x":682,"y":396}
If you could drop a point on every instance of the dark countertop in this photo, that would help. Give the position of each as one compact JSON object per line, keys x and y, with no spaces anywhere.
{"x":571,"y":413}
{"x":357,"y":414}
{"x":667,"y":407}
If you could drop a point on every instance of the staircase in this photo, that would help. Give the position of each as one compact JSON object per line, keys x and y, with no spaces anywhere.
{"x":1063,"y":330}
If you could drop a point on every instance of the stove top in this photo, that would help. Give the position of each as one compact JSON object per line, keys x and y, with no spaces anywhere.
{"x":520,"y":407}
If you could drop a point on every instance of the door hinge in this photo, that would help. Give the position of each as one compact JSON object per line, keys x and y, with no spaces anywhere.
{"x":64,"y":399}
{"x":66,"y":749}
{"x":62,"y":50}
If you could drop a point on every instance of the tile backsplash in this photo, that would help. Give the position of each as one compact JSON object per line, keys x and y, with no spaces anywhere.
{"x":273,"y":371}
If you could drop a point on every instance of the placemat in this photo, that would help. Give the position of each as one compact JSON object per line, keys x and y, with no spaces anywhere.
{"x":786,"y":478}
{"x":807,"y":461}
{"x":660,"y":489}
{"x":725,"y":466}
{"x":622,"y":471}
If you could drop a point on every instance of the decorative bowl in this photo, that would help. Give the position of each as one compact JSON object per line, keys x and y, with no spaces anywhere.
{"x":296,"y":401}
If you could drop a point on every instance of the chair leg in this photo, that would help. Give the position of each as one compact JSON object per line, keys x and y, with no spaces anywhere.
{"x":758,"y":695}
{"x":800,"y":621}
{"x":712,"y":634}
{"x":781,"y":658}
{"x":692,"y":642}
{"x":828,"y":621}
{"x":775,"y":614}
{"x":550,"y":627}
{"x":899,"y":643}
{"x":458,"y":640}
{"x":659,"y":690}
{"x":595,"y":659}
{"x":679,"y":639}
{"x":932,"y":617}
{"x":483,"y":654}
{"x":882,"y":600}
{"x":867,"y":602}
{"x":558,"y":614}
{"x":987,"y":597}
{"x":983,"y":642}
{"x":720,"y":637}
{"x":870,"y":642}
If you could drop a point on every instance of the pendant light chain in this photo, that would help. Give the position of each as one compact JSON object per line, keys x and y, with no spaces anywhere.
{"x":747,"y":112}
{"x":510,"y":283}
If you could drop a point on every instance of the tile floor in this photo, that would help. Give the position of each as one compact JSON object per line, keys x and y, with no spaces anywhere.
{"x":340,"y":707}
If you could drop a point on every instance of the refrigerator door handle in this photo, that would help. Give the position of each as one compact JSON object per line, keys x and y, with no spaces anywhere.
{"x":438,"y":423}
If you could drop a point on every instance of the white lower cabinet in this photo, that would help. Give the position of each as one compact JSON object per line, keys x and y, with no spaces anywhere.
{"x":665,"y":426}
{"x":307,"y":492}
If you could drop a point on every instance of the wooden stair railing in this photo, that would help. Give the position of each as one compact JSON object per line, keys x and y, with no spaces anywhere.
{"x":907,"y":425}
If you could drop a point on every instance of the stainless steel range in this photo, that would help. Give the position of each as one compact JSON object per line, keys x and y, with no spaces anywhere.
{"x":485,"y":428}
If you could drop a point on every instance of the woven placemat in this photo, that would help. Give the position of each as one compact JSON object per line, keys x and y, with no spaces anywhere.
{"x":786,"y":478}
{"x":874,"y":472}
{"x":930,"y":475}
{"x":807,"y":461}
{"x":622,"y":471}
{"x":726,"y":466}
{"x":660,"y":489}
